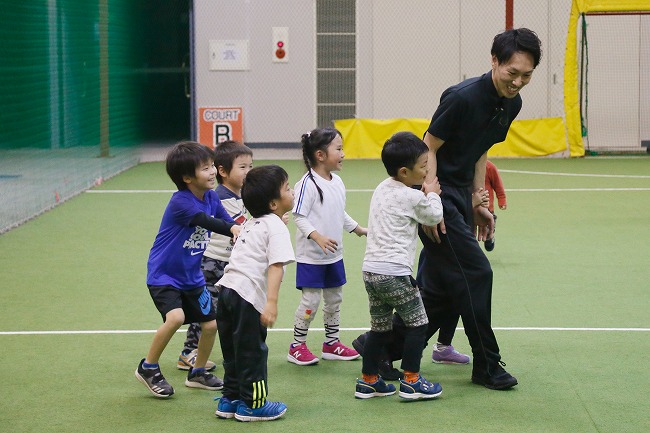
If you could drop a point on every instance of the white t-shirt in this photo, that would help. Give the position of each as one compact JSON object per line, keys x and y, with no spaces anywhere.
{"x":262,"y":242}
{"x":395,"y":211}
{"x":328,"y":218}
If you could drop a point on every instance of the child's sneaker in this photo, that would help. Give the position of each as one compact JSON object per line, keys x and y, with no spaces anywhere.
{"x":419,"y":390}
{"x":186,"y":362}
{"x":299,"y":354}
{"x":270,"y":411}
{"x":226,"y":408}
{"x":339,"y":352}
{"x":489,"y":244}
{"x":153,"y":379}
{"x":203,"y":380}
{"x":377,"y":389}
{"x":447,"y":355}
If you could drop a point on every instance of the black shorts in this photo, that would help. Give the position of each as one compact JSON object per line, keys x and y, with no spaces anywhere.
{"x":195,"y":303}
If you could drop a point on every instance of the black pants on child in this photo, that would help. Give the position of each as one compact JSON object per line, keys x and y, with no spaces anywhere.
{"x":243,"y":345}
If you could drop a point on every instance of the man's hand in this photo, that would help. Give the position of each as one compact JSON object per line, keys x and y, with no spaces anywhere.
{"x":484,"y":223}
{"x":432,"y":231}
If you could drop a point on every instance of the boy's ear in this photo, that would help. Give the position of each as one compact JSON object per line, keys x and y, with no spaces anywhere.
{"x":222,"y":171}
{"x":273,"y":205}
{"x":187,"y":179}
{"x":402,"y":173}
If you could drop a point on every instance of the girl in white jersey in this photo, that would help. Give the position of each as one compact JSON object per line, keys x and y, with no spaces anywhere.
{"x":319,"y":214}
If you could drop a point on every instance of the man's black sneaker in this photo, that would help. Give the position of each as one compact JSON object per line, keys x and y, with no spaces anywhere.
{"x":153,"y":379}
{"x":499,"y":379}
{"x":386,"y":369}
{"x":388,"y":372}
{"x":359,"y":342}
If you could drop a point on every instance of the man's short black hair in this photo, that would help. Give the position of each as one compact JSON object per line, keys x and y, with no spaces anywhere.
{"x":402,"y":150}
{"x":512,"y":41}
{"x":225,"y":154}
{"x":262,"y":185}
{"x":183,"y":160}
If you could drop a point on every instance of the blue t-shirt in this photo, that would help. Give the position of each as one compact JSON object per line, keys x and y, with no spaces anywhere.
{"x":175,"y":257}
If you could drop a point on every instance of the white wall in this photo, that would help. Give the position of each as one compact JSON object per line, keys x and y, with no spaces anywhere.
{"x":408,"y":52}
{"x":278,"y":98}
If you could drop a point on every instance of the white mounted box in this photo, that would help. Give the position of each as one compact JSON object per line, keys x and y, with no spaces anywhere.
{"x":229,"y":55}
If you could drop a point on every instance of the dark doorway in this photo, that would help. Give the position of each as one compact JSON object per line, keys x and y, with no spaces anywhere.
{"x":164,"y":70}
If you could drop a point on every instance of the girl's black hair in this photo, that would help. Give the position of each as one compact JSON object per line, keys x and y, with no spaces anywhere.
{"x":312,"y":142}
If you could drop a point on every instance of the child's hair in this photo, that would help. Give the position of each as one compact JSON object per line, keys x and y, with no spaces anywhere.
{"x":261,"y":185}
{"x":183,"y":160}
{"x":312,"y":142}
{"x":225,"y":154}
{"x":402,"y":150}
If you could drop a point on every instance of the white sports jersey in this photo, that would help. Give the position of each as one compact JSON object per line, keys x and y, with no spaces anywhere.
{"x":262,"y":242}
{"x":395,"y":211}
{"x":327,"y":218}
{"x":219,"y":247}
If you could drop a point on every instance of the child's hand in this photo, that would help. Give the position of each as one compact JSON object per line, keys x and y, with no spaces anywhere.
{"x":481,"y":198}
{"x":285,"y":218}
{"x":503,"y":207}
{"x":269,"y":314}
{"x":235,"y":233}
{"x":326,"y":244}
{"x":360,"y":231}
{"x":433,"y":186}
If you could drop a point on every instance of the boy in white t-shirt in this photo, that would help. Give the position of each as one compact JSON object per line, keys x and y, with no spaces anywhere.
{"x":248,"y":299}
{"x":396,"y":209}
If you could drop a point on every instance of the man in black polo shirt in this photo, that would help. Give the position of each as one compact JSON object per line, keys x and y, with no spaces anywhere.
{"x":454,"y":274}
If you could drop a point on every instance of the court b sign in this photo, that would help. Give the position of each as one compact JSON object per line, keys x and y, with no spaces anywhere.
{"x":219,"y":124}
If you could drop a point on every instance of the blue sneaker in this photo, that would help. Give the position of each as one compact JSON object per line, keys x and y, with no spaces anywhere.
{"x":270,"y":411}
{"x":226,"y":408}
{"x":377,"y":389}
{"x":419,"y":390}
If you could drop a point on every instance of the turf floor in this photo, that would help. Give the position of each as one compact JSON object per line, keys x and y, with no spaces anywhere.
{"x":570,"y":310}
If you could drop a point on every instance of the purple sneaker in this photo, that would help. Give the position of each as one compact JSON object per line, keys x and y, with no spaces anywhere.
{"x":447,"y":355}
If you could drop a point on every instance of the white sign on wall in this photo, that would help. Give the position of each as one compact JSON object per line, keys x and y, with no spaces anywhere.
{"x":228,"y":55}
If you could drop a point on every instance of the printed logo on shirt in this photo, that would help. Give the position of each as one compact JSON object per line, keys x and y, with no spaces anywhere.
{"x":204,"y":301}
{"x":198,"y":241}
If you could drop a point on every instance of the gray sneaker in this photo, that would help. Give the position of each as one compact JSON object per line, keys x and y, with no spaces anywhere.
{"x":153,"y":379}
{"x":203,"y":380}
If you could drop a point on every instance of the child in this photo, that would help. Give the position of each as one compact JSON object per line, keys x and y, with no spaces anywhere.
{"x":320,"y":217}
{"x":174,"y":276}
{"x":248,"y":298}
{"x":396,"y":209}
{"x":493,"y":184}
{"x":233,"y":161}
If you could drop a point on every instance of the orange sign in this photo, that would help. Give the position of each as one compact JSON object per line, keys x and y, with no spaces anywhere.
{"x":219,"y":124}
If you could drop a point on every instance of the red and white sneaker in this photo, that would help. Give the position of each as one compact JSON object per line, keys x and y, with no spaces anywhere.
{"x":299,"y":354}
{"x":339,"y":352}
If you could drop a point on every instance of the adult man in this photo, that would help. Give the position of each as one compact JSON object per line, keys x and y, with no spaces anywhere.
{"x":454,"y":275}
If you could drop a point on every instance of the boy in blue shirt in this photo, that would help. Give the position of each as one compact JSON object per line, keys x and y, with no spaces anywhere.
{"x":233,"y":161}
{"x":176,"y":283}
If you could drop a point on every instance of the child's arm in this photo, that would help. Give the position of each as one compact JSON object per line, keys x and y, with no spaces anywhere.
{"x":305,"y":227}
{"x":360,"y":231}
{"x":216,"y":225}
{"x":500,"y":191}
{"x":274,"y":279}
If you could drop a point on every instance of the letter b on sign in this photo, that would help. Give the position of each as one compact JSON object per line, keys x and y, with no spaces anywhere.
{"x":222,"y":132}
